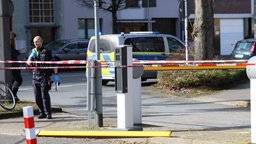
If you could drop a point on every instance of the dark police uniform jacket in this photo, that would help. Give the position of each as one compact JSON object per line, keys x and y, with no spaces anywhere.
{"x":42,"y":75}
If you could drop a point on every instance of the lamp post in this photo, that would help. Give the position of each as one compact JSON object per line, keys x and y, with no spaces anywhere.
{"x":98,"y":79}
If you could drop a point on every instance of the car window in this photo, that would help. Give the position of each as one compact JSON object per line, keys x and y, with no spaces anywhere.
{"x":174,"y":44}
{"x":243,"y":46}
{"x":82,"y":45}
{"x":104,"y":45}
{"x":56,"y":44}
{"x":146,"y":44}
{"x":71,"y":46}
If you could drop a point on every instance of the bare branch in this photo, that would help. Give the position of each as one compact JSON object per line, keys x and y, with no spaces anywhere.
{"x":108,"y":5}
{"x":86,"y":3}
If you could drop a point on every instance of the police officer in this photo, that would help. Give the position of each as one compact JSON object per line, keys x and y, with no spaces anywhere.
{"x":42,"y":78}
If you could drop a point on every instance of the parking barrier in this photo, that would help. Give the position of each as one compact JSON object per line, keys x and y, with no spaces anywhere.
{"x":148,"y":65}
{"x":29,"y":123}
{"x":134,"y":61}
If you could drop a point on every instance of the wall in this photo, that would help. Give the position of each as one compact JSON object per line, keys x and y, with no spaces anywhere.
{"x":231,"y":30}
{"x":19,"y":22}
{"x":72,"y":11}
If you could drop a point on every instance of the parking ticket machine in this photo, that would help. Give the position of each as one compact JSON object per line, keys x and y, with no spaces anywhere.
{"x":121,"y":78}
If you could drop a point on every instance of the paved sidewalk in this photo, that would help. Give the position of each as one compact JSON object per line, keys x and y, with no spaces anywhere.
{"x":69,"y":122}
{"x":238,"y":96}
{"x":184,"y":131}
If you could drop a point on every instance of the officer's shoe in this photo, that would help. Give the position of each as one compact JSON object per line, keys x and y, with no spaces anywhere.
{"x":49,"y":116}
{"x":41,"y":116}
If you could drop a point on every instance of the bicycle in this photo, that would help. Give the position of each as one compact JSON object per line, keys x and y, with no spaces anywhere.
{"x":7,"y":99}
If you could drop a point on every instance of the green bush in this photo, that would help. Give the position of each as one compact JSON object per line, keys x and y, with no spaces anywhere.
{"x":215,"y":79}
{"x":209,"y":79}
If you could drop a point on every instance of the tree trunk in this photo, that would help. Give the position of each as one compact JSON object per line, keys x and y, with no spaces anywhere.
{"x":114,"y":24}
{"x":203,"y":31}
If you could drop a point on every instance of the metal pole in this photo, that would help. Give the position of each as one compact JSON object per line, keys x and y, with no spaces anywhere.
{"x":90,"y":95}
{"x":149,"y":24}
{"x":98,"y":79}
{"x":96,"y":28}
{"x":98,"y":94}
{"x":186,"y":29}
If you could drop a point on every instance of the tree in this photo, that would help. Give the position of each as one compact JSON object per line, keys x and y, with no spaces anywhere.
{"x":109,"y":5}
{"x":203,"y":30}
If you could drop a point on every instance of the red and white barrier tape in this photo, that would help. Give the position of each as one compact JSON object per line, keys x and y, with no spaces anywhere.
{"x":49,"y":67}
{"x":146,"y":67}
{"x":48,"y":62}
{"x":134,"y":62}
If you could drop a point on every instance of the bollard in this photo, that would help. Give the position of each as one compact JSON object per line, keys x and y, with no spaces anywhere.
{"x":251,"y":73}
{"x":29,"y":123}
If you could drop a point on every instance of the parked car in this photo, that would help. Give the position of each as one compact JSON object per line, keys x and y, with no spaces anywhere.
{"x":244,"y":49}
{"x":68,"y":49}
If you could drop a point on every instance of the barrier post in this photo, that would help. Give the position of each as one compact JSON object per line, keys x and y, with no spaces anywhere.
{"x":29,"y":123}
{"x":251,"y":73}
{"x":136,"y":93}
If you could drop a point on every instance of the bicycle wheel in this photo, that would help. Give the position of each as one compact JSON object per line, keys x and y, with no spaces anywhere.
{"x":7,"y":100}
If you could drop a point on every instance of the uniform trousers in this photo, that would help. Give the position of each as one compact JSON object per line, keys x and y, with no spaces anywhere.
{"x":41,"y":89}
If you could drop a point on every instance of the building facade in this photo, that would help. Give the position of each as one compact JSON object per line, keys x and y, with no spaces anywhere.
{"x":66,"y":19}
{"x":233,"y":22}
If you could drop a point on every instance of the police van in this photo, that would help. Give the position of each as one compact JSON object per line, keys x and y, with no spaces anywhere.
{"x":145,"y":46}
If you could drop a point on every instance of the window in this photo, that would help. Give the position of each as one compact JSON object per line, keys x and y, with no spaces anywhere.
{"x":104,"y":46}
{"x":140,"y":3}
{"x":82,"y":45}
{"x":244,"y":45}
{"x":132,"y":3}
{"x":71,"y":46}
{"x":146,"y":44}
{"x":152,"y":3}
{"x":41,"y":11}
{"x":86,"y":28}
{"x":174,"y":45}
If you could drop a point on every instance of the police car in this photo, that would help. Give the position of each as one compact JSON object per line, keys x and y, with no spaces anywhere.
{"x":145,"y":46}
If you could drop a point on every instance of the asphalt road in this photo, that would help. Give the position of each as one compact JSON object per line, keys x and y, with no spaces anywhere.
{"x":191,"y":119}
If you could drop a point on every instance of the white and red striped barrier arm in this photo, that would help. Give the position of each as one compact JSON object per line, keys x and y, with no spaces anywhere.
{"x":137,"y":63}
{"x":134,"y":61}
{"x":184,"y":62}
{"x":29,"y":123}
